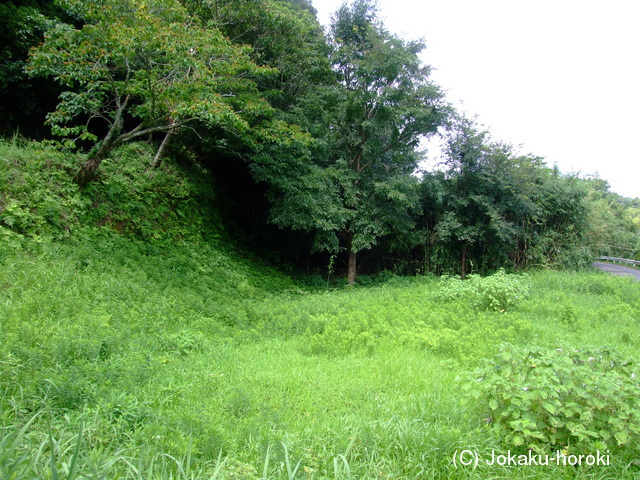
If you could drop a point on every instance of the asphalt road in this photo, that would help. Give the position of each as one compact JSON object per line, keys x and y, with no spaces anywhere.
{"x":617,"y":269}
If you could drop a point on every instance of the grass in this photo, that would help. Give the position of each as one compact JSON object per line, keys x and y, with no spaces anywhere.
{"x":124,"y":361}
{"x":137,"y":344}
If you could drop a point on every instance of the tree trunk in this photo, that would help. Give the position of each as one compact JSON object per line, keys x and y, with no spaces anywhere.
{"x":160,"y":153}
{"x":351,"y":266}
{"x":463,"y":263}
{"x":88,"y":171}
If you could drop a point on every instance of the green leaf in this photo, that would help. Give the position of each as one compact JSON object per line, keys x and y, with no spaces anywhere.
{"x":622,"y":437}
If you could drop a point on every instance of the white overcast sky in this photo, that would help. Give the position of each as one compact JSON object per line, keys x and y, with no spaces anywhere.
{"x":557,"y":78}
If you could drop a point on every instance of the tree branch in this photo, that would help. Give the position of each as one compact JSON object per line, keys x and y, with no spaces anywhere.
{"x":139,"y":132}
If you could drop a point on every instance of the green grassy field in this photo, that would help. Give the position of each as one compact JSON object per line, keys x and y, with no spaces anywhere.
{"x":123,"y":359}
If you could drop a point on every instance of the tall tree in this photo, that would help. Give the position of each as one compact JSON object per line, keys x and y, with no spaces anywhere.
{"x":283,"y":34}
{"x":468,"y":209}
{"x":141,"y":67}
{"x":367,"y":127}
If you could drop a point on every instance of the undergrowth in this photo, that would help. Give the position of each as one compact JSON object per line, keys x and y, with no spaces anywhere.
{"x":192,"y":358}
{"x":38,"y":198}
{"x":137,"y":343}
{"x":578,"y":400}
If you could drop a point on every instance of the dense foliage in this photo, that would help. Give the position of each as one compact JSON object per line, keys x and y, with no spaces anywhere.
{"x":491,"y":207}
{"x":143,"y":68}
{"x":355,"y":187}
{"x":40,"y":200}
{"x":25,"y":101}
{"x":318,"y":134}
{"x":575,"y":400}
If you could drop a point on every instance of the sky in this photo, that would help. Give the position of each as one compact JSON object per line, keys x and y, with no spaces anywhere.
{"x":559,"y":79}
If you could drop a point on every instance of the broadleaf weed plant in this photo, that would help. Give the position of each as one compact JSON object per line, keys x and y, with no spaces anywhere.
{"x":578,"y":400}
{"x":497,"y":292}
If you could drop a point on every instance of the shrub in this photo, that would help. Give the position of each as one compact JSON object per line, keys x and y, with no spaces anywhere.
{"x":498,"y":292}
{"x":581,"y":400}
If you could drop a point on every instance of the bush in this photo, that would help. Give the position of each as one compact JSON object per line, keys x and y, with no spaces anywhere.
{"x":581,"y":400}
{"x":37,"y":193}
{"x":498,"y":292}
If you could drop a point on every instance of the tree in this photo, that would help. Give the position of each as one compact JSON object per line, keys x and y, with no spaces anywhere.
{"x":142,"y":67}
{"x":561,"y":221}
{"x":611,"y":228}
{"x":469,"y":211}
{"x":24,"y":101}
{"x":356,"y":184}
{"x":283,"y":34}
{"x":494,"y":208}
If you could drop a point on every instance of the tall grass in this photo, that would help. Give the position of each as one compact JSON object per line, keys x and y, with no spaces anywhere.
{"x":136,"y":344}
{"x":122,"y":361}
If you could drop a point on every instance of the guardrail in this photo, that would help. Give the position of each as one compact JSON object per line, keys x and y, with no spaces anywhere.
{"x":635,"y":263}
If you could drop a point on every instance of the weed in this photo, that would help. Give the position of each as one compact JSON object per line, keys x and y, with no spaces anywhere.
{"x":580,"y":400}
{"x":498,"y":292}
